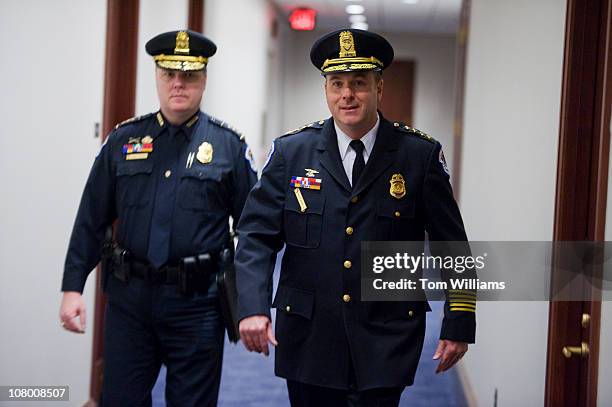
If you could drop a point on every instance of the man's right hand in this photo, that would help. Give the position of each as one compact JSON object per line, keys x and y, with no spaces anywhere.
{"x":72,"y":307}
{"x":255,"y":333}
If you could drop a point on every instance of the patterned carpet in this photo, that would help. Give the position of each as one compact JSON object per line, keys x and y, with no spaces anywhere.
{"x":248,"y":378}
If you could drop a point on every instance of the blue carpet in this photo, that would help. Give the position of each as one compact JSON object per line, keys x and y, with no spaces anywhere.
{"x":248,"y":378}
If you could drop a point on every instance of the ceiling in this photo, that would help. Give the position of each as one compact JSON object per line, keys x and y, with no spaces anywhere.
{"x":426,"y":16}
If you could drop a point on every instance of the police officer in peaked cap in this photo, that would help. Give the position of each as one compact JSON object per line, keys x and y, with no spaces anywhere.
{"x":326,"y":187}
{"x":170,"y":180}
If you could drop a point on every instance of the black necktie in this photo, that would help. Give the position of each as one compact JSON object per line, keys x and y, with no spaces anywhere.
{"x":158,"y":251}
{"x":359,"y":163}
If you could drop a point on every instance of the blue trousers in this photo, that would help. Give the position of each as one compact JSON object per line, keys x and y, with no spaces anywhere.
{"x":147,"y":324}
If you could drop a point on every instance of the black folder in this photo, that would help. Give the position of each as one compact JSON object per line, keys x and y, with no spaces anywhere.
{"x":228,"y":295}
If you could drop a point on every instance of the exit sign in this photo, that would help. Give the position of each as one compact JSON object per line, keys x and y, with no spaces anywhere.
{"x":303,"y":19}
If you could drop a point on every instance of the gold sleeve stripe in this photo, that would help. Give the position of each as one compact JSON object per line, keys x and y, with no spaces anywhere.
{"x":462,"y":304}
{"x":463,"y":309}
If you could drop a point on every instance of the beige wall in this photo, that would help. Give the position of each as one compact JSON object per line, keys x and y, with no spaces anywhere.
{"x":513,"y":90}
{"x":237,"y":74}
{"x":52,"y":83}
{"x":604,"y":393}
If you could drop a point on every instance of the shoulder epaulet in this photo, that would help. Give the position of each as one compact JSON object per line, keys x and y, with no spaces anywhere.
{"x":411,"y":130}
{"x":314,"y":125}
{"x":227,"y":126}
{"x":134,"y":119}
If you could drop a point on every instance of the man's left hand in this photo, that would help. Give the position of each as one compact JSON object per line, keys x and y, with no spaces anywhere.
{"x":449,"y":353}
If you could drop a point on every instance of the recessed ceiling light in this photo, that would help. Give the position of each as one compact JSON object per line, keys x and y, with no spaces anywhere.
{"x":410,"y":1}
{"x":353,"y":0}
{"x":357,"y":18}
{"x":360,"y":26}
{"x":355,"y":9}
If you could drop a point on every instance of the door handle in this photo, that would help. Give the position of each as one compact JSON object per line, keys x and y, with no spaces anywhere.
{"x":582,"y":350}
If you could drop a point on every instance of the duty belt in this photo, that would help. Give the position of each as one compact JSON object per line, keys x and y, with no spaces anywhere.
{"x":190,"y":274}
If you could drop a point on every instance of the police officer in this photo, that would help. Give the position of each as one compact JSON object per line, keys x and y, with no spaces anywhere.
{"x":171,"y":179}
{"x":327,"y":187}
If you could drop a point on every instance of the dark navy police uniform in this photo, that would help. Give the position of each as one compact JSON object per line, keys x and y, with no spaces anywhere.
{"x":171,"y":190}
{"x":327,"y":337}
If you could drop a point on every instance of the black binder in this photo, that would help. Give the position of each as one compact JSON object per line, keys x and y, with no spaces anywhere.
{"x":228,"y":295}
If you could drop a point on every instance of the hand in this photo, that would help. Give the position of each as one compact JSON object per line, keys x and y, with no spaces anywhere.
{"x":255,"y":333}
{"x":450,"y":352}
{"x":72,"y":307}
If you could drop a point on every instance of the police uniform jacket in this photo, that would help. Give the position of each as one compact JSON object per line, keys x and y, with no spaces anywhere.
{"x":148,"y":166}
{"x":322,"y":327}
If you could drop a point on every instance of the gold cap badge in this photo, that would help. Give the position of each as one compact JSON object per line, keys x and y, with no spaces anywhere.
{"x":348,"y":58}
{"x":182,"y":43}
{"x":398,"y":186}
{"x":190,"y":52}
{"x":347,"y":45}
{"x":205,"y":153}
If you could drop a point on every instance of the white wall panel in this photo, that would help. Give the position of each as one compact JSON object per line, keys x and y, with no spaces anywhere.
{"x":511,"y":131}
{"x":52,"y":82}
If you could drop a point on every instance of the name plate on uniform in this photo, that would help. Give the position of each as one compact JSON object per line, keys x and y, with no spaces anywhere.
{"x":137,"y":156}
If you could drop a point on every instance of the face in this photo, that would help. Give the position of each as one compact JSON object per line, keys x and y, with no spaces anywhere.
{"x":179,"y":92}
{"x":353,"y":99}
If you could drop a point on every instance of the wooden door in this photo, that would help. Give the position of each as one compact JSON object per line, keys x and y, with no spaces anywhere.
{"x":581,"y":197}
{"x":398,"y":91}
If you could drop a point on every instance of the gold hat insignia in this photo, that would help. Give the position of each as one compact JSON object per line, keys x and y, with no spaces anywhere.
{"x":205,"y":153}
{"x":398,"y":186}
{"x":347,"y":45}
{"x":182,"y":43}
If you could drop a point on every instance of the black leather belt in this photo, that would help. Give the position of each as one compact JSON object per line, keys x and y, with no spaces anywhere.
{"x":165,"y":275}
{"x":192,"y":274}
